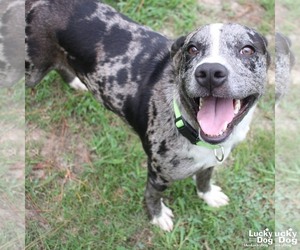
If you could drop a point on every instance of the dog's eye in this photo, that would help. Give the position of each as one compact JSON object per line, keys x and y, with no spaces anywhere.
{"x":193,"y":50}
{"x":247,"y":50}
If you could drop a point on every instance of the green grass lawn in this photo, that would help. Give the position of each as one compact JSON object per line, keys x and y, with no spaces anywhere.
{"x":288,"y":161}
{"x":287,"y":128}
{"x":12,"y":133}
{"x":86,"y":170}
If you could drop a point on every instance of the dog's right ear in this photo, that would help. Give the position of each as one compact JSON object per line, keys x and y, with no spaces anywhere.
{"x":177,"y":45}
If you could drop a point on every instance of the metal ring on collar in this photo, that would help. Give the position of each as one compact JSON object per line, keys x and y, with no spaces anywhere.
{"x":219,"y":159}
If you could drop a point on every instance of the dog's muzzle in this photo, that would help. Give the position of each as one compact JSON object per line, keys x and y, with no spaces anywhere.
{"x":217,"y":115}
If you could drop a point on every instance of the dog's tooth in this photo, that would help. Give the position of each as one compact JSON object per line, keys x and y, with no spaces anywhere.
{"x":200,"y":103}
{"x":225,"y":127}
{"x":237,"y":106}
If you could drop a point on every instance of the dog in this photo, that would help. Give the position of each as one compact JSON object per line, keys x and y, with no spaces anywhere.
{"x":284,"y":62}
{"x":190,"y":101}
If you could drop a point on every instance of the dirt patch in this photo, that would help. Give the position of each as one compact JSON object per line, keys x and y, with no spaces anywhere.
{"x":61,"y":150}
{"x":248,"y":13}
{"x":142,"y":239}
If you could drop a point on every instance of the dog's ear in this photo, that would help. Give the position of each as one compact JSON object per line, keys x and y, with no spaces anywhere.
{"x":265,"y":40}
{"x":292,"y":56}
{"x":283,"y":45}
{"x":177,"y":45}
{"x":292,"y":59}
{"x":268,"y":59}
{"x":288,"y":40}
{"x":268,"y":53}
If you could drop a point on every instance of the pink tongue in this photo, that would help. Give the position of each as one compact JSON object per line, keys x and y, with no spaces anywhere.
{"x":214,"y":114}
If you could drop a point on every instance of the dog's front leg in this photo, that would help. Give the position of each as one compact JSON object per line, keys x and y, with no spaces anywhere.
{"x":71,"y":79}
{"x":211,"y":194}
{"x":159,"y":213}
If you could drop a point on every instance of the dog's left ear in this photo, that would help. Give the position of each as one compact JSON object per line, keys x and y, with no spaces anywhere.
{"x":268,"y":54}
{"x":292,"y":56}
{"x":177,"y":45}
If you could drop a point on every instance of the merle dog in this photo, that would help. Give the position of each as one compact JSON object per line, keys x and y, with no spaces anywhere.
{"x":190,"y":101}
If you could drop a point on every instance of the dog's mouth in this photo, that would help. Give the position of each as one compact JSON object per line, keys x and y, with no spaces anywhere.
{"x":218,"y":116}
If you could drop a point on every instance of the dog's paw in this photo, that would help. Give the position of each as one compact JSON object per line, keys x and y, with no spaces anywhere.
{"x":164,"y":220}
{"x":77,"y":84}
{"x":214,"y":197}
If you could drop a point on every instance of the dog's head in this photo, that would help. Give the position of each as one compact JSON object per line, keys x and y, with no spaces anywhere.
{"x":284,"y":61}
{"x":221,"y":71}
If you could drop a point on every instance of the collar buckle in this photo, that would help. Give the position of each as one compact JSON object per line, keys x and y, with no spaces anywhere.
{"x":191,"y":134}
{"x":187,"y":130}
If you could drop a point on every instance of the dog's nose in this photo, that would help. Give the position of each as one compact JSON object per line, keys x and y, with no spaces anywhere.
{"x":211,"y":75}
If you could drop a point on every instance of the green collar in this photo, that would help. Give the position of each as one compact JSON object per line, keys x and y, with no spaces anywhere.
{"x":188,"y":131}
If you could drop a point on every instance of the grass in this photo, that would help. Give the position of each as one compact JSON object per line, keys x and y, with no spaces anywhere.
{"x":158,"y":14}
{"x":12,"y":123}
{"x":290,"y":23}
{"x":86,"y":170}
{"x":287,"y":127}
{"x":288,"y":161}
